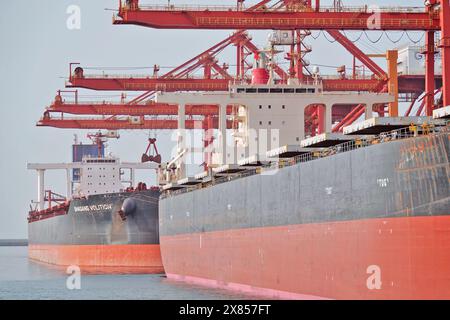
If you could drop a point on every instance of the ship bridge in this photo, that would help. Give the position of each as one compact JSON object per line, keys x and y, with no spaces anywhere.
{"x":265,"y":112}
{"x":300,"y":88}
{"x":109,"y":167}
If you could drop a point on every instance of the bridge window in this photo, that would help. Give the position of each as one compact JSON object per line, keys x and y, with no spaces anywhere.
{"x":240,"y":90}
{"x":300,"y":90}
{"x":276,"y":90}
{"x":263,"y":90}
{"x":289,"y":90}
{"x":250,"y":90}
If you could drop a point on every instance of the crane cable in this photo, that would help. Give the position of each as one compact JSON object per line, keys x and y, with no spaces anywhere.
{"x":356,"y":40}
{"x":398,"y":40}
{"x":417,"y":41}
{"x":318,"y":35}
{"x":330,"y":41}
{"x":374,"y":41}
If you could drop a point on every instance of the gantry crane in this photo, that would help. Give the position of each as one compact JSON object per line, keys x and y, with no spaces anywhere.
{"x":294,"y":15}
{"x":279,"y":15}
{"x":282,"y":15}
{"x":180,"y":79}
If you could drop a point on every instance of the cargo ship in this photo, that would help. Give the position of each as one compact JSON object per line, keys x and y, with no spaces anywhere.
{"x":101,"y":225}
{"x":363,"y":214}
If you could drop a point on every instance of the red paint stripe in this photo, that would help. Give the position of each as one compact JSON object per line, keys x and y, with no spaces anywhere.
{"x":323,"y":259}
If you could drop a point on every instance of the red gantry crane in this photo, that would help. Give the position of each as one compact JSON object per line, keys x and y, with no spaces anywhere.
{"x":279,"y":15}
{"x":176,"y":80}
{"x":292,"y":15}
{"x":304,"y":14}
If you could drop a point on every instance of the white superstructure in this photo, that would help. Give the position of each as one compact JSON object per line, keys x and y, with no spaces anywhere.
{"x":97,"y":176}
{"x":411,"y":61}
{"x":267,"y":116}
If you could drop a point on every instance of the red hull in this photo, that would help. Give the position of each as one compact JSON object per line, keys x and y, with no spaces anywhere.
{"x":327,"y":260}
{"x":101,"y":258}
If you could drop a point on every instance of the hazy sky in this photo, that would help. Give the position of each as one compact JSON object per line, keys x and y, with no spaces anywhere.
{"x":35,"y":50}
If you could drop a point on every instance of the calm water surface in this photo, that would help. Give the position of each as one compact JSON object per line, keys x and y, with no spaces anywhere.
{"x":24,"y":279}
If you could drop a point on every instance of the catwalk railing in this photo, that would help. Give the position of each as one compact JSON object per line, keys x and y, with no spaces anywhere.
{"x":394,"y":135}
{"x":365,"y":9}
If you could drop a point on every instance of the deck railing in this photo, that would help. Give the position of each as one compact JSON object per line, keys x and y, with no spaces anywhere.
{"x":394,"y":135}
{"x":139,"y":76}
{"x":359,"y":9}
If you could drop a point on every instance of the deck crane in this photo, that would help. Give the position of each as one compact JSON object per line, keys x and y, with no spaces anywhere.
{"x":99,"y":138}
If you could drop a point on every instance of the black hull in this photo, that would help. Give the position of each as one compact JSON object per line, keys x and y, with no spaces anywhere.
{"x":371,"y":223}
{"x":396,"y":179}
{"x":96,"y":220}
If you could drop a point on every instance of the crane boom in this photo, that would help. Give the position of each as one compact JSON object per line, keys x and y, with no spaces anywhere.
{"x":122,"y":124}
{"x":324,"y":18}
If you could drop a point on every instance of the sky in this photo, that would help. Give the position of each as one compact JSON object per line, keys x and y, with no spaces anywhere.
{"x":36,"y":47}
